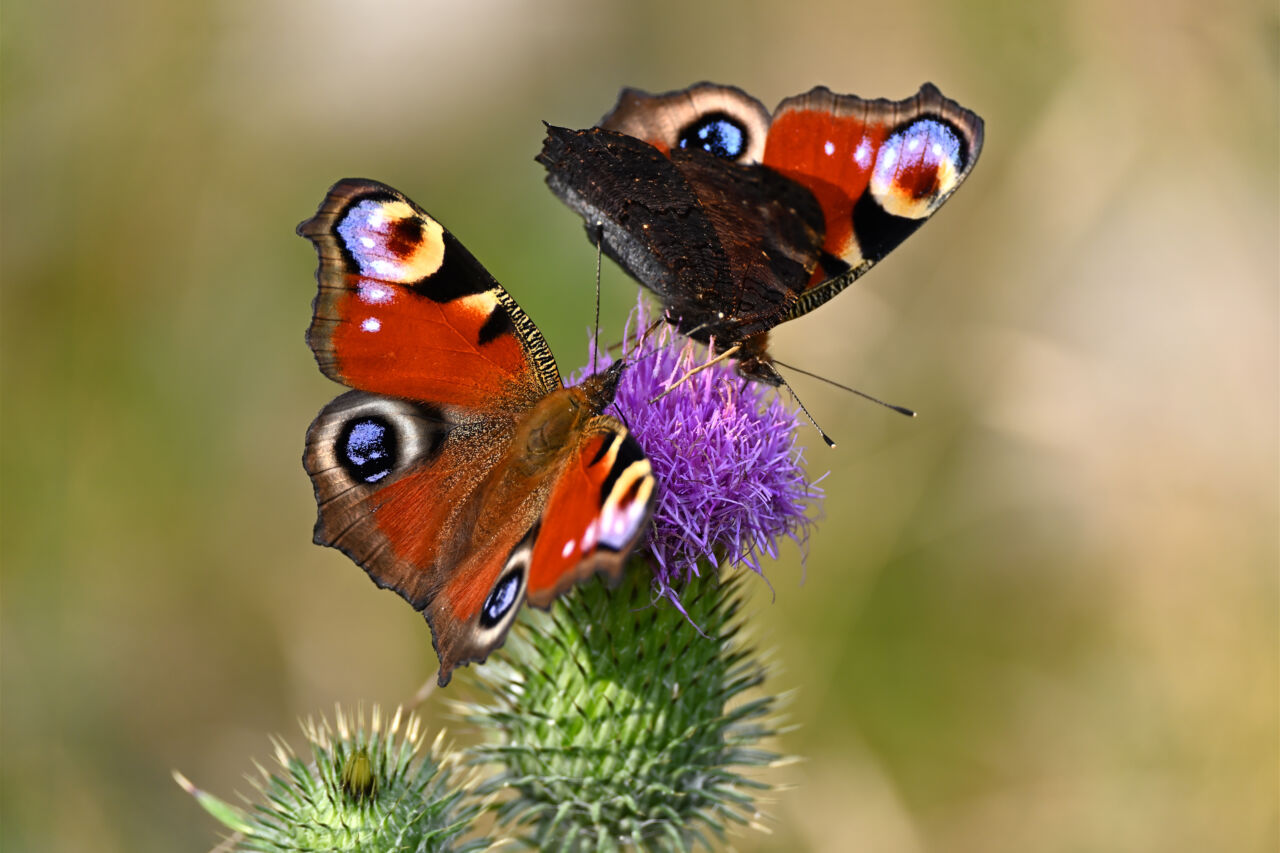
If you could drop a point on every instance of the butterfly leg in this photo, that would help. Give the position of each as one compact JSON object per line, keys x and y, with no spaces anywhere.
{"x":643,"y":336}
{"x":683,"y":379}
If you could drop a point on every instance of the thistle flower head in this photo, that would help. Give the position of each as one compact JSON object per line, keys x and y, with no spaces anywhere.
{"x":368,"y":786}
{"x":614,"y":725}
{"x":725,"y":451}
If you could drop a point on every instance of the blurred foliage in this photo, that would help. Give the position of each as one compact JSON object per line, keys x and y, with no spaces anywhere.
{"x":1042,"y":616}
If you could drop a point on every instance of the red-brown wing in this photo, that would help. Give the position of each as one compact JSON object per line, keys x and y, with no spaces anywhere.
{"x":394,"y":482}
{"x":878,"y":168}
{"x":401,"y":489}
{"x":404,"y":309}
{"x":597,"y":512}
{"x":477,"y":607}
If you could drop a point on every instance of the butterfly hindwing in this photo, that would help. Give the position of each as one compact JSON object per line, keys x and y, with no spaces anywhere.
{"x":395,"y":482}
{"x":596,"y":510}
{"x":596,"y":514}
{"x":405,"y":492}
{"x":430,"y":507}
{"x":723,"y":120}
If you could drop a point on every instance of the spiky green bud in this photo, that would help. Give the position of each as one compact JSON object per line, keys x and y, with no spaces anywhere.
{"x":367,"y":788}
{"x":617,"y":724}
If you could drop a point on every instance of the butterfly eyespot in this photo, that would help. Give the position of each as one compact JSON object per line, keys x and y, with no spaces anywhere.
{"x":368,"y":449}
{"x":405,"y":236}
{"x":718,"y":134}
{"x":386,"y":239}
{"x":505,"y":595}
{"x":917,"y":167}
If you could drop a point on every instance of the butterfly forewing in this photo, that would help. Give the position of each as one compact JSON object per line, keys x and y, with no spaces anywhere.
{"x":404,"y":309}
{"x":879,"y":168}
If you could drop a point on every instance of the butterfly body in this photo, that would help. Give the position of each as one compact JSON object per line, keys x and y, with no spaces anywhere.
{"x":740,"y":219}
{"x":461,"y":472}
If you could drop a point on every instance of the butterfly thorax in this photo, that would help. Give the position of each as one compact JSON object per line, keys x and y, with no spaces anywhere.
{"x":555,"y":421}
{"x":548,"y":429}
{"x":516,"y":486}
{"x":754,"y":361}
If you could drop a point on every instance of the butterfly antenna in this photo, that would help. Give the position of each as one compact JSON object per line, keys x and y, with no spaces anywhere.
{"x":648,"y":330}
{"x":803,"y":408}
{"x":701,"y":367}
{"x":595,"y":339}
{"x":902,"y":410}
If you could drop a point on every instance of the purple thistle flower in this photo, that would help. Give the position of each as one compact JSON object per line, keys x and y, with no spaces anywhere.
{"x":725,"y":451}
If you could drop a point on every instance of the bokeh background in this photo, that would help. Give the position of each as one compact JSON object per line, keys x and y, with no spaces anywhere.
{"x":1042,"y":616}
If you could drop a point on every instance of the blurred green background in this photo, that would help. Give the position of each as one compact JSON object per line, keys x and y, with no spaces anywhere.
{"x":1043,"y":616}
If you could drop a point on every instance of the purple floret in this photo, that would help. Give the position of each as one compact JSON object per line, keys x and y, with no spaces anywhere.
{"x":730,"y":470}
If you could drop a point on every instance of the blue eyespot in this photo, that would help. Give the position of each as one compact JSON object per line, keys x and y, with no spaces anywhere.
{"x":916,"y":168}
{"x":367,"y":449}
{"x":716,"y":133}
{"x":501,"y":599}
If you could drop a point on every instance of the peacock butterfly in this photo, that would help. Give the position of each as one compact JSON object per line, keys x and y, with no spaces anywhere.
{"x":739,"y":219}
{"x":460,"y":472}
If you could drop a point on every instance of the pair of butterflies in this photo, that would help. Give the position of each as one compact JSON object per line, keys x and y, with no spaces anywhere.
{"x":461,"y":472}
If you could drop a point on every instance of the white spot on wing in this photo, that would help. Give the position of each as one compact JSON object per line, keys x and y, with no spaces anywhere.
{"x":589,"y":538}
{"x":619,"y":522}
{"x":862,"y":154}
{"x":829,"y":147}
{"x":374,"y":294}
{"x":567,"y":549}
{"x":371,"y":324}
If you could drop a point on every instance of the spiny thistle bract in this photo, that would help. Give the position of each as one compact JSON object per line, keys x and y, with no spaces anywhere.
{"x":367,"y":788}
{"x":617,"y":724}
